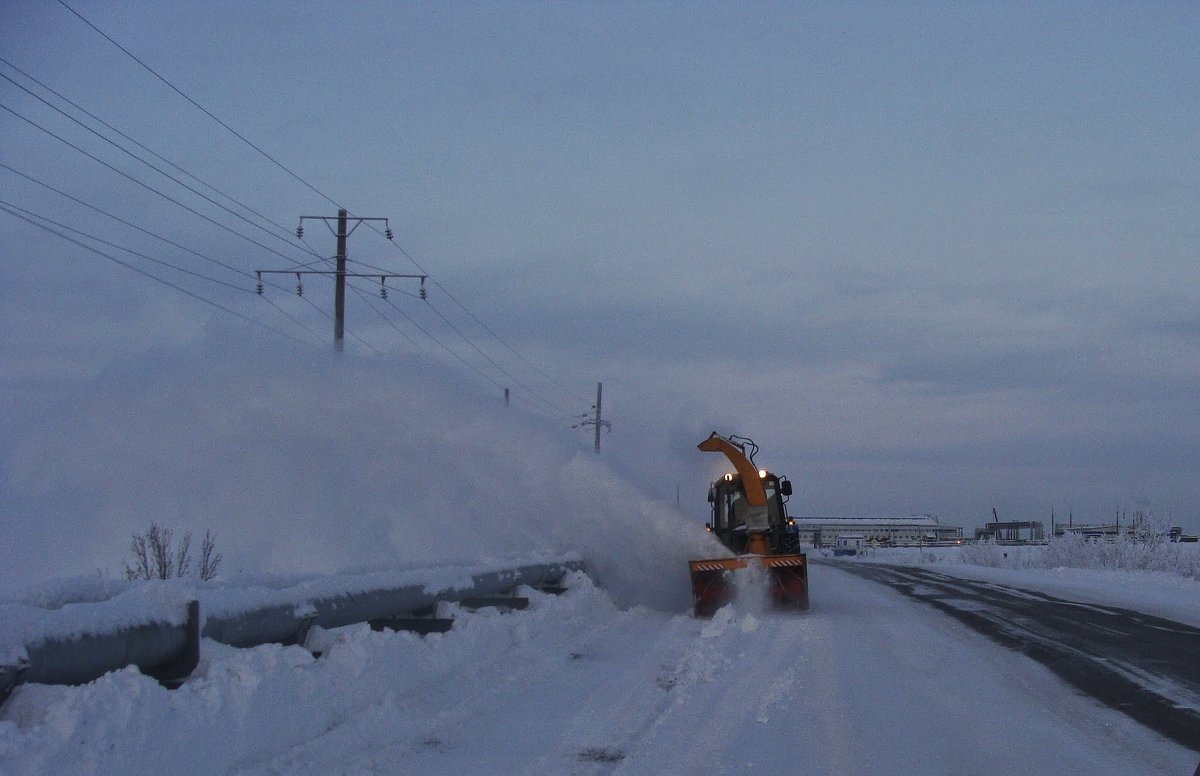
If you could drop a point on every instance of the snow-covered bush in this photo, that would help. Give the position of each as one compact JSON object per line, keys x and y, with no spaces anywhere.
{"x":1145,"y":550}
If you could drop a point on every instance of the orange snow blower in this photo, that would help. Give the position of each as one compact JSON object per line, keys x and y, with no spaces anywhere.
{"x":749,"y":517}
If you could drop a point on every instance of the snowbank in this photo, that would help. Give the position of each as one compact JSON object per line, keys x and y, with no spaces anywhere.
{"x":234,"y":711}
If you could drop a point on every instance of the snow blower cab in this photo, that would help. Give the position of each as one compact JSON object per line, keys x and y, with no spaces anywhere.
{"x":749,"y":517}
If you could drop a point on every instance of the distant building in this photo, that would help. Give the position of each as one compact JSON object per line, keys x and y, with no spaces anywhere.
{"x":884,"y":531}
{"x":1141,"y":528}
{"x":1113,"y":531}
{"x":1110,"y":531}
{"x":1012,"y":532}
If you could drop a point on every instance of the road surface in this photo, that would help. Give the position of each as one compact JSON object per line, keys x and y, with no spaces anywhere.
{"x":1141,"y":665}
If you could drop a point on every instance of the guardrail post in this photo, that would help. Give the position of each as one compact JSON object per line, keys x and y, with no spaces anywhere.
{"x":173,"y":674}
{"x":10,"y":677}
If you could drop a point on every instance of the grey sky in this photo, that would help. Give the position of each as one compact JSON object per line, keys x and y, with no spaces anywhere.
{"x":932,"y":257}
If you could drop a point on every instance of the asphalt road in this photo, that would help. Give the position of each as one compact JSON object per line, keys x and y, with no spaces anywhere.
{"x":1144,"y":666}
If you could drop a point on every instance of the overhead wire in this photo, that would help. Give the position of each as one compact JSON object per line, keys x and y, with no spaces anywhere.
{"x":150,"y":275}
{"x":291,"y":317}
{"x":175,"y":244}
{"x":367,"y":300}
{"x":160,"y":262}
{"x":492,"y":361}
{"x":195,"y":104}
{"x":481,"y":324}
{"x":196,"y":253}
{"x":149,"y":164}
{"x":102,"y":241}
{"x":324,"y":312}
{"x":304,"y":245}
{"x":458,"y":357}
{"x":143,"y":184}
{"x":327,"y":198}
{"x":168,"y":198}
{"x":132,"y":225}
{"x":157,"y":155}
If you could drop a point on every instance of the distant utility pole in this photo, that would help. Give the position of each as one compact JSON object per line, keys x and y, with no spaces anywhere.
{"x":598,"y":420}
{"x":339,"y":272}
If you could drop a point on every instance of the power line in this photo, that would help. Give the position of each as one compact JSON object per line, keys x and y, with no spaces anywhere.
{"x":294,"y":319}
{"x":197,"y":105}
{"x":168,"y":198}
{"x":171,"y":242}
{"x":151,"y":275}
{"x":366,"y":299}
{"x":482,"y":325}
{"x":446,"y":347}
{"x":130,"y":224}
{"x":158,"y":170}
{"x":144,"y":185}
{"x":493,"y":362}
{"x":475,"y":347}
{"x":140,"y":255}
{"x":102,"y":241}
{"x":313,"y":188}
{"x":154,"y":153}
{"x":455,"y":354}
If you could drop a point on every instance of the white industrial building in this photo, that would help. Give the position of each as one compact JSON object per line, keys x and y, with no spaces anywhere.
{"x":893,"y":531}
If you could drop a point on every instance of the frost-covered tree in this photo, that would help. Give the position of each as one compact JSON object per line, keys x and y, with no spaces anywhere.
{"x":1150,"y":530}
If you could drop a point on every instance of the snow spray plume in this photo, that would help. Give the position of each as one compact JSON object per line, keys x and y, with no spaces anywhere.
{"x":303,"y":463}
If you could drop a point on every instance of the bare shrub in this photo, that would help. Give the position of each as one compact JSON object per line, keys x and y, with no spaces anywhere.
{"x":210,"y":559}
{"x":153,"y":557}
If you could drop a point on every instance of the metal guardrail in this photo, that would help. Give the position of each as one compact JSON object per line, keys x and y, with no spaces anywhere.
{"x":170,"y":652}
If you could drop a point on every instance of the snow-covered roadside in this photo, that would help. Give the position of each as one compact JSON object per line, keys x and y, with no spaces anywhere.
{"x":866,"y":682}
{"x":258,"y":702}
{"x":64,"y":610}
{"x":1160,"y":593}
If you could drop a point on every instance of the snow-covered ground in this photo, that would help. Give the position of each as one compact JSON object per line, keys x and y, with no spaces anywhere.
{"x":865,"y":682}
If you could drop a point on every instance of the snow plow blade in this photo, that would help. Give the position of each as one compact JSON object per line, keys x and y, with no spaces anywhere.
{"x":712,"y":585}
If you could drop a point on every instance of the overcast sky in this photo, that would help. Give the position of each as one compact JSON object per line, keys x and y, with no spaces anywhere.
{"x":932,"y":257}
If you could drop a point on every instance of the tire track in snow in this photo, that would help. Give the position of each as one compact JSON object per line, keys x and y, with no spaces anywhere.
{"x":738,"y":687}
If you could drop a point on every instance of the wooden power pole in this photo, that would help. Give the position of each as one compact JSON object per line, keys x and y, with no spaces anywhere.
{"x":339,"y":284}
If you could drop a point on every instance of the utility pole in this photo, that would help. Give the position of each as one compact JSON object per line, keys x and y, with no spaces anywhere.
{"x":598,"y":421}
{"x":339,"y":272}
{"x":339,"y":285}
